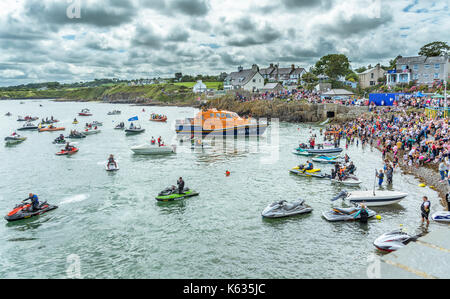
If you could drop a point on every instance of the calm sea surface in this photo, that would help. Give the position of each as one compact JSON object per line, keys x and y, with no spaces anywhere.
{"x":112,"y":224}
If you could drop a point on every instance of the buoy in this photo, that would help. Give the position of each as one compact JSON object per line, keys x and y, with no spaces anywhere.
{"x":378,"y":217}
{"x":227,"y":173}
{"x":422,"y":185}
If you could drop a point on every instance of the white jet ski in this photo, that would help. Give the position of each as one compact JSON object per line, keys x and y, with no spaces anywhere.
{"x":372,"y":198}
{"x":285,"y":209}
{"x":442,"y":216}
{"x":149,"y":149}
{"x":393,"y":241}
{"x":91,"y":132}
{"x":111,"y":167}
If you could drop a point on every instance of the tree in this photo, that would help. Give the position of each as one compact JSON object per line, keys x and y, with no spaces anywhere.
{"x":178,"y":76}
{"x":434,"y":49}
{"x":393,"y":63}
{"x":361,"y":69}
{"x":352,"y":77}
{"x":310,"y":79}
{"x":333,"y":65}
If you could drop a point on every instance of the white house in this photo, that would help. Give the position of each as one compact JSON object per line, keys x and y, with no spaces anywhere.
{"x":250,"y":80}
{"x":199,"y":87}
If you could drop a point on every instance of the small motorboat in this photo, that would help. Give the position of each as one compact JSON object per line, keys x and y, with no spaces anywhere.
{"x":171,"y":194}
{"x":134,"y":131}
{"x":327,"y":160}
{"x":285,"y":209}
{"x":63,"y":152}
{"x":23,"y":211}
{"x":316,"y":173}
{"x":163,"y":119}
{"x":85,"y":112}
{"x":88,"y":132}
{"x":346,"y":214}
{"x":96,"y":124}
{"x":393,"y":241}
{"x":372,"y":198}
{"x":49,"y":122}
{"x":51,"y":129}
{"x":27,"y":118}
{"x":28,"y":127}
{"x":349,"y":180}
{"x":14,"y":139}
{"x":442,"y":216}
{"x":149,"y":149}
{"x":76,"y":135}
{"x":114,"y":112}
{"x":120,"y":126}
{"x":324,"y":151}
{"x":111,"y":166}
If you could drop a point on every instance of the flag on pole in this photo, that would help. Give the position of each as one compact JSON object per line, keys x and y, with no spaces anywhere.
{"x":133,"y":118}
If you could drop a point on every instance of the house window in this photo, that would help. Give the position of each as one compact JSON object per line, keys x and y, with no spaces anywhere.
{"x":436,"y":75}
{"x":437,"y":66}
{"x":416,"y":76}
{"x":254,"y":80}
{"x":372,"y":76}
{"x":427,"y":66}
{"x":372,"y":83}
{"x":416,"y":67}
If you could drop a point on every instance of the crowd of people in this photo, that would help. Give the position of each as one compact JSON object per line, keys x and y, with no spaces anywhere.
{"x":412,"y":139}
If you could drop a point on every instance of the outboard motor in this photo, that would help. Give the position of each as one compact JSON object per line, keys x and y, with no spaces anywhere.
{"x":343,"y":194}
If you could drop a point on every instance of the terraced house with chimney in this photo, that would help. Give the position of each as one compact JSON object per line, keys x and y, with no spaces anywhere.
{"x":287,"y":76}
{"x":250,"y":80}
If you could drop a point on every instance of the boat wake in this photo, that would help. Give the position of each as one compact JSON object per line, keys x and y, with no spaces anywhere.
{"x":75,"y":198}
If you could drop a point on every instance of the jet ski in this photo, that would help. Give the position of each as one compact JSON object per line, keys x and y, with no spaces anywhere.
{"x":285,"y":209}
{"x":316,"y":173}
{"x":170,"y":194}
{"x":119,"y":127}
{"x":21,"y":211}
{"x":115,"y":112}
{"x":346,"y":214}
{"x":442,"y":216}
{"x":301,"y":151}
{"x":63,"y":152}
{"x":10,"y":140}
{"x":96,"y":124}
{"x":59,"y":141}
{"x":350,"y":180}
{"x":393,"y":241}
{"x":111,"y":167}
{"x":91,"y":131}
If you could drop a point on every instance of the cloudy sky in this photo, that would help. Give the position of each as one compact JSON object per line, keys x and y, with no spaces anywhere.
{"x":44,"y":40}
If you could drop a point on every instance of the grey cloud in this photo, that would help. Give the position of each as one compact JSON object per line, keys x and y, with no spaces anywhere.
{"x":358,"y":24}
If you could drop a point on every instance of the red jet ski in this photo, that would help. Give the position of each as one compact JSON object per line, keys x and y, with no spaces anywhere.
{"x":64,"y":152}
{"x":23,"y":211}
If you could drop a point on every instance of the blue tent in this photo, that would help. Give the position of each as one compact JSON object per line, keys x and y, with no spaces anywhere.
{"x":384,"y":99}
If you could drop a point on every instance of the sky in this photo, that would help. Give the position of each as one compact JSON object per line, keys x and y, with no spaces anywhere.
{"x":80,"y":40}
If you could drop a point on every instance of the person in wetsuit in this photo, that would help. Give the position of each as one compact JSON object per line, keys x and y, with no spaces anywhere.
{"x":425,"y":209}
{"x":34,"y":202}
{"x":180,"y":184}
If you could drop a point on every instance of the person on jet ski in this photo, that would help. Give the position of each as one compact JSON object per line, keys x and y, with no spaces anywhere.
{"x":346,"y":158}
{"x":153,"y":141}
{"x":309,"y":166}
{"x":34,"y":201}
{"x":180,"y":184}
{"x":351,"y":168}
{"x":112,"y":161}
{"x":68,"y":147}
